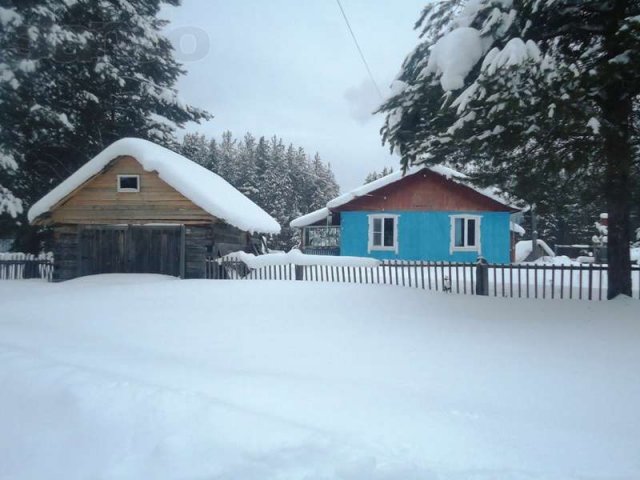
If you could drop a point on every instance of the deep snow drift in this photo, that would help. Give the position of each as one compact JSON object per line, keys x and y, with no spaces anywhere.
{"x":135,"y":377}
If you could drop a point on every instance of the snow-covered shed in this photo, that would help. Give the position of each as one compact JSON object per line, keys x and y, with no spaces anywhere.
{"x":141,"y":208}
{"x":427,"y":213}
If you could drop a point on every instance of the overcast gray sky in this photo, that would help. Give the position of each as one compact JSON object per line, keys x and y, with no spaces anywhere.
{"x":290,"y":68}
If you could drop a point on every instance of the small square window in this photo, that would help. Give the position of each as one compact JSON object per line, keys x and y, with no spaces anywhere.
{"x":465,"y":233}
{"x":128,"y":183}
{"x":383,"y":232}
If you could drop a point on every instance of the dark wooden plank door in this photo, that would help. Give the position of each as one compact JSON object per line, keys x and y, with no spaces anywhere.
{"x":103,"y":250}
{"x":132,"y":249}
{"x":154,"y":250}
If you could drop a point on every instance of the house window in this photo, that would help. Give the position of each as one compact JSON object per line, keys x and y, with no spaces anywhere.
{"x":465,"y":233}
{"x":383,"y":232}
{"x":128,"y":183}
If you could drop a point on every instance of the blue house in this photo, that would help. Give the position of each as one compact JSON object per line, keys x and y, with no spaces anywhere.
{"x":430,"y":213}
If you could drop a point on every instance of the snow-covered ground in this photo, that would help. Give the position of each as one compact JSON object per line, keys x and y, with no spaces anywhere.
{"x":144,"y":376}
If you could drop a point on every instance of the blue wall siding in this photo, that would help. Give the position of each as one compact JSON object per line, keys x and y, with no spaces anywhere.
{"x":426,"y":236}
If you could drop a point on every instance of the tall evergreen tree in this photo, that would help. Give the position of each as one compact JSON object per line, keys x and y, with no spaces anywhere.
{"x":195,"y":147}
{"x":213,"y":156}
{"x":533,"y":95}
{"x":77,"y":76}
{"x":297,"y":175}
{"x":227,"y":158}
{"x":276,"y":191}
{"x":247,"y":179}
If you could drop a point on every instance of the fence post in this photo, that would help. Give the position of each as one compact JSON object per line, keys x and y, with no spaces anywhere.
{"x":30,"y":269}
{"x":299,"y":272}
{"x":482,"y":277}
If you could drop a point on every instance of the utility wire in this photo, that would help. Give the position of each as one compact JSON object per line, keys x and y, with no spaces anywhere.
{"x":355,"y":40}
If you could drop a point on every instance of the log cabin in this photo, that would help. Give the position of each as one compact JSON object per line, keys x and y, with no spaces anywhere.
{"x":138,"y":207}
{"x":428,"y":213}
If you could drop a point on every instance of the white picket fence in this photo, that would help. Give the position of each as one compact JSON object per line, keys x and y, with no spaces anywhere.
{"x":22,"y":266}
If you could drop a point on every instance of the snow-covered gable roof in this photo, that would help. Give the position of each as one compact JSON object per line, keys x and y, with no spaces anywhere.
{"x":449,"y":173}
{"x":310,"y":218}
{"x":204,"y":188}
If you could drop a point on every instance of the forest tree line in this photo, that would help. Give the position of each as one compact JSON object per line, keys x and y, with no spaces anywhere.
{"x":281,"y":178}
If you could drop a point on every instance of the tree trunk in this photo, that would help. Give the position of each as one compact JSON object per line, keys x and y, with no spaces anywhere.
{"x":617,"y":106}
{"x":617,"y":151}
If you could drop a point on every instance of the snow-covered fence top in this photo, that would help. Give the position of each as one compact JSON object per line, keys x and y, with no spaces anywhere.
{"x":204,"y":188}
{"x":21,"y":266}
{"x":296,"y":257}
{"x":26,"y":256}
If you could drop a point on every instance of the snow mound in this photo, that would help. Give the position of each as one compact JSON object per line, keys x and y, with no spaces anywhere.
{"x":557,"y":260}
{"x":454,"y":55}
{"x":203,"y":187}
{"x":525,"y":247}
{"x":515,"y":228}
{"x":296,"y":257}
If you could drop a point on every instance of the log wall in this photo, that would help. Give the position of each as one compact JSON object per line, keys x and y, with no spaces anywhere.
{"x":200,"y":242}
{"x":66,"y":253}
{"x":99,"y":202}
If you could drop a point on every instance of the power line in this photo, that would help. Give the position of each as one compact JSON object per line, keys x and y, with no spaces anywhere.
{"x":355,"y":40}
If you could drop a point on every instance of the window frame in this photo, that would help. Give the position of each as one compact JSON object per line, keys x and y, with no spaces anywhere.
{"x":382,"y":216}
{"x":128,"y":190}
{"x":465,"y":248}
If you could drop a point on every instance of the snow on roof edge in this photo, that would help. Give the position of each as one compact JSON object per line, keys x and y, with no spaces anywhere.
{"x":310,"y":218}
{"x":204,"y":188}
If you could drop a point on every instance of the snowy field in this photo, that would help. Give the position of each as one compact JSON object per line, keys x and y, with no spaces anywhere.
{"x":130,"y":377}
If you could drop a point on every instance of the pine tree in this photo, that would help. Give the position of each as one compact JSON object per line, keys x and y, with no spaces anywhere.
{"x":262,"y":171}
{"x":297,"y":176}
{"x":77,"y":76}
{"x":373,"y":176}
{"x":195,"y":147}
{"x":227,"y":167}
{"x":247,"y":178}
{"x":213,"y":156}
{"x":276,"y":191}
{"x":531,"y":95}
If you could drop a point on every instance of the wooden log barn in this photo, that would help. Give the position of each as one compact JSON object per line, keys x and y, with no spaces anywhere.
{"x":141,"y":208}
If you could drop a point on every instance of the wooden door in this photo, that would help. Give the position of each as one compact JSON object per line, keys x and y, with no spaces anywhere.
{"x":130,"y":249}
{"x":103,"y":250}
{"x":154,"y":250}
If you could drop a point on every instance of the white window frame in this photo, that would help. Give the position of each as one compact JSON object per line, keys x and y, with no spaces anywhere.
{"x":382,"y":217}
{"x":128,"y":190}
{"x":466,"y":248}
